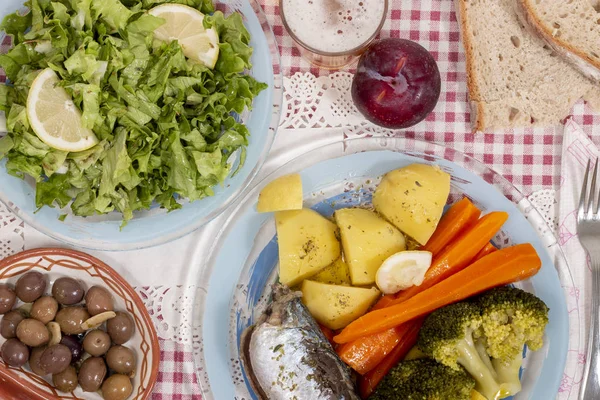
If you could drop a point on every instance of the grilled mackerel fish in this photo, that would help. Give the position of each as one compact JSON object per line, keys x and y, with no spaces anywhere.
{"x":286,"y":356}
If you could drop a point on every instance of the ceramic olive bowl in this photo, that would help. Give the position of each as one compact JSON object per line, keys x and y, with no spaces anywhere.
{"x":22,"y":383}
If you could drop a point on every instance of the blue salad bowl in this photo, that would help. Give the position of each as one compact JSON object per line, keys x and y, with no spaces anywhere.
{"x":157,"y":226}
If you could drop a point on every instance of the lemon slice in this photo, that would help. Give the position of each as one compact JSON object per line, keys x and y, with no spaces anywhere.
{"x":54,"y":117}
{"x":184,"y":24}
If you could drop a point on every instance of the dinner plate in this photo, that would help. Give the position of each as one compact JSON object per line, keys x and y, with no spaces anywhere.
{"x":243,"y":261}
{"x":156,"y":226}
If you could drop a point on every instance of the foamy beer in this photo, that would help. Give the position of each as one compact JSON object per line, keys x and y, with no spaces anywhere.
{"x":332,"y":33}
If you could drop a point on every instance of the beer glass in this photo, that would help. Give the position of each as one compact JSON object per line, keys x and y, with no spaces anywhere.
{"x":333,"y":33}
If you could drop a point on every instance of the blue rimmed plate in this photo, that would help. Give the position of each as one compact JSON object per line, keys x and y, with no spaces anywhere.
{"x":243,"y":260}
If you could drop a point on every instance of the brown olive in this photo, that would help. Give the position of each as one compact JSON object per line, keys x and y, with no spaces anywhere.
{"x":71,"y":318}
{"x":8,"y":325}
{"x":72,"y":342}
{"x":117,"y":387}
{"x":67,"y":291}
{"x":98,"y":300}
{"x":96,"y":343}
{"x":55,"y":359}
{"x":34,"y":361}
{"x":65,"y":381}
{"x":7,"y":298}
{"x":91,"y":374}
{"x":32,"y":332}
{"x":30,"y":286}
{"x":44,"y":309}
{"x":120,"y":328}
{"x":14,"y":353}
{"x":121,"y":359}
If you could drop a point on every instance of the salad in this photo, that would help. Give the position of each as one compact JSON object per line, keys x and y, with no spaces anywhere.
{"x":405,"y":298}
{"x":116,"y":105}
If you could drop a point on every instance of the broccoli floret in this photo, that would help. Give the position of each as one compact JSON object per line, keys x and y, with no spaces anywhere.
{"x":507,"y":372}
{"x":447,"y":335}
{"x":424,"y":379}
{"x":486,"y":336}
{"x":511,"y":319}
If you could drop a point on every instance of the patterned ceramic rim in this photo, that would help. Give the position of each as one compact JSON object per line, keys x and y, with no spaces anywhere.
{"x":49,"y":258}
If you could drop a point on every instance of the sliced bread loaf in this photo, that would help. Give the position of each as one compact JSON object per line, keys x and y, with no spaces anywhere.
{"x":514,"y":78}
{"x":571,"y":27}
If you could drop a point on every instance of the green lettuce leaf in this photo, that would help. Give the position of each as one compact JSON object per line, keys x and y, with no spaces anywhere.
{"x":15,"y":25}
{"x":112,"y":12}
{"x":20,"y":166}
{"x":235,"y":52}
{"x":115,"y":170}
{"x":90,"y":98}
{"x":30,"y":145}
{"x":53,"y":192}
{"x":6,"y":145}
{"x":21,"y":55}
{"x":84,"y":203}
{"x":37,"y":17}
{"x":17,"y":119}
{"x":7,"y":94}
{"x":82,"y":64}
{"x":81,"y":17}
{"x":53,"y":161}
{"x":60,"y":12}
{"x":181,"y":175}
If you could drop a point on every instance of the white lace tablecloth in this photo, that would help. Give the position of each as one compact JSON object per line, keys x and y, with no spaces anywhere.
{"x":318,"y":109}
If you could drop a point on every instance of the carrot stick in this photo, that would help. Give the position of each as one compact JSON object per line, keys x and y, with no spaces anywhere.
{"x":487,"y":249}
{"x":368,"y":382}
{"x":460,"y":216}
{"x":384,"y":302}
{"x":457,"y":255}
{"x":499,"y":268}
{"x":363,"y":354}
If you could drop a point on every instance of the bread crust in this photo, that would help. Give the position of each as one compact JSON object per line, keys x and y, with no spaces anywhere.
{"x":589,"y":67}
{"x":477,"y":114}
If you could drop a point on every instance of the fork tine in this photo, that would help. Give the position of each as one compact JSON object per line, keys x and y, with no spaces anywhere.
{"x":582,"y":197}
{"x":592,"y":192}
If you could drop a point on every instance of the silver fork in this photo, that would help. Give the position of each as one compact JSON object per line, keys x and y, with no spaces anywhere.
{"x":588,"y":229}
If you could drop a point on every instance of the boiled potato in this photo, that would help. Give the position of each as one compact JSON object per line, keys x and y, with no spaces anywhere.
{"x":336,"y":306}
{"x":307,"y":244}
{"x":368,"y":240}
{"x":413,"y":199}
{"x":284,"y":193}
{"x":337,"y":273}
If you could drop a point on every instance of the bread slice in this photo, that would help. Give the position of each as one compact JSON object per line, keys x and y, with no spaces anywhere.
{"x":593,"y":98}
{"x":571,"y":27}
{"x":514,"y":78}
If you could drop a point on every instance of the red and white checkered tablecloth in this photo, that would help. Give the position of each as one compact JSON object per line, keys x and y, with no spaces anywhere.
{"x":529,"y":158}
